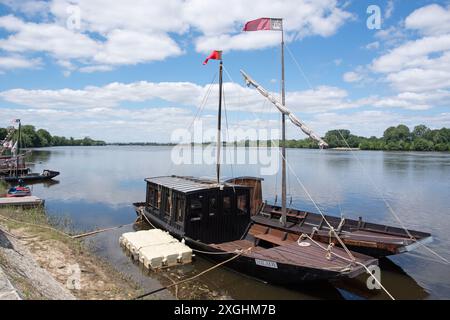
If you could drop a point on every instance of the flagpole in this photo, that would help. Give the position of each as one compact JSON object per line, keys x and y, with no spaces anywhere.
{"x":219,"y":122}
{"x":18,"y":150}
{"x":283,"y":136}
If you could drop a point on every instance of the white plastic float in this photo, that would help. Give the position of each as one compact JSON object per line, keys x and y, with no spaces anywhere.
{"x":156,"y":249}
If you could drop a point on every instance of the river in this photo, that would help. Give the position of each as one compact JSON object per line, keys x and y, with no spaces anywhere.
{"x":97,"y":186}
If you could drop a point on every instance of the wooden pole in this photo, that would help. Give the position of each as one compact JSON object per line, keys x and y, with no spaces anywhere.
{"x":283,"y":138}
{"x":219,"y":122}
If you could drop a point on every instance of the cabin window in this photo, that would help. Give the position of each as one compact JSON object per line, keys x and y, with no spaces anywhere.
{"x":242,"y":204}
{"x":151,"y":195}
{"x":168,"y":204}
{"x":158,"y":199}
{"x":180,"y":209}
{"x":196,"y":208}
{"x":212,"y":205}
{"x":227,"y":205}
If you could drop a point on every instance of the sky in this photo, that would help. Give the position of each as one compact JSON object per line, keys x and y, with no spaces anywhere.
{"x":128,"y":71}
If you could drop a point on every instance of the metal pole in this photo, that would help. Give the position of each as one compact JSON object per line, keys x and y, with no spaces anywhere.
{"x":219,"y":122}
{"x":283,"y":138}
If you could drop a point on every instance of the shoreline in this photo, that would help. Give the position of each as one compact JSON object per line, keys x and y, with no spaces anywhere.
{"x":42,"y":263}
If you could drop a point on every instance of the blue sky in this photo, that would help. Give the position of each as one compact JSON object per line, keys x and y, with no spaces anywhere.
{"x":132,"y":70}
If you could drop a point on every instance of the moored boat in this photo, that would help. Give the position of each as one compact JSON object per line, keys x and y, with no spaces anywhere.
{"x":215,"y":219}
{"x":33,"y":177}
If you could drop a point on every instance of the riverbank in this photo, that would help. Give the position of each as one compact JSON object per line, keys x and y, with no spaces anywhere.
{"x":43,"y":263}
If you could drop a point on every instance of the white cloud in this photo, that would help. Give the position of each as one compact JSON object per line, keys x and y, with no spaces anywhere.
{"x":373,"y":45}
{"x":430,"y":20}
{"x":413,"y":65}
{"x":414,"y":101}
{"x":238,"y":98}
{"x":132,"y":47}
{"x":56,"y":40}
{"x":352,"y":76}
{"x":114,"y":33}
{"x":411,"y":54}
{"x":18,"y":62}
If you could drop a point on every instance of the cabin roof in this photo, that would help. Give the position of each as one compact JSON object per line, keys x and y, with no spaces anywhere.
{"x":187,"y":184}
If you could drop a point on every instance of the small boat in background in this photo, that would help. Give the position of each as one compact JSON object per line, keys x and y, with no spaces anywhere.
{"x":33,"y":177}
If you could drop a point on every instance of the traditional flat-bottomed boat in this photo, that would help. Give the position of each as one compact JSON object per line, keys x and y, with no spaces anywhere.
{"x":215,"y":219}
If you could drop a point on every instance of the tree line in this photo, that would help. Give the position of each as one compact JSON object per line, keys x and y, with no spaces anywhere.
{"x":399,"y":138}
{"x":32,"y":138}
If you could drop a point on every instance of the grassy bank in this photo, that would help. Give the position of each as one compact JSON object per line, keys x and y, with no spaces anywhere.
{"x":62,"y":257}
{"x":3,"y":187}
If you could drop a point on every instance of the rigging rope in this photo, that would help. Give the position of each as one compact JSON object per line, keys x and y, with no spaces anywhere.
{"x":343,"y":258}
{"x":390,"y":209}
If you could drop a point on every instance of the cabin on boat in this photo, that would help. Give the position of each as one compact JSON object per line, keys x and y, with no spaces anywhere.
{"x":201,"y":209}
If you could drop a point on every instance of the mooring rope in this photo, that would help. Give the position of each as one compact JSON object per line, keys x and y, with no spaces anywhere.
{"x":348,"y":260}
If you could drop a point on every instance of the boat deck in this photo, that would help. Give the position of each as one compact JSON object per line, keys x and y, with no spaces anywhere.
{"x":371,"y":239}
{"x":310,"y":255}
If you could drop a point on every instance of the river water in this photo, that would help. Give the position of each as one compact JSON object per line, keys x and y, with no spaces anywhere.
{"x":97,"y":186}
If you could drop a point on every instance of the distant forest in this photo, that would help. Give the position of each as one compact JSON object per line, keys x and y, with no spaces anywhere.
{"x":30,"y":138}
{"x":399,"y":138}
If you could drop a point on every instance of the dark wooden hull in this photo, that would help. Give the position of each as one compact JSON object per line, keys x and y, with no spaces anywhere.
{"x":371,"y":239}
{"x":284,"y":274}
{"x":33,"y":177}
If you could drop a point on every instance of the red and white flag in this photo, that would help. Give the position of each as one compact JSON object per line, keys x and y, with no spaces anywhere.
{"x":215,"y":55}
{"x":264,"y":24}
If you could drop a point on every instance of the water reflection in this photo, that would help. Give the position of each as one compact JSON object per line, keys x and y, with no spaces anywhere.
{"x":98,"y":184}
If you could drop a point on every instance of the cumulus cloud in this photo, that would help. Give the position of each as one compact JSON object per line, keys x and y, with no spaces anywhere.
{"x":114,"y":33}
{"x":430,"y":20}
{"x":238,"y":98}
{"x":352,"y":76}
{"x":418,"y":69}
{"x":18,"y":62}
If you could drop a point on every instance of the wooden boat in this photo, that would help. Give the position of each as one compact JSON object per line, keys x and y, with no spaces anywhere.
{"x":13,"y":167}
{"x":33,"y":177}
{"x":216,"y":220}
{"x":369,"y":238}
{"x":372,"y":239}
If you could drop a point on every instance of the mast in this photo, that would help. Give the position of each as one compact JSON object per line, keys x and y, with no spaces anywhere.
{"x":283,"y":136}
{"x":219,"y":122}
{"x":18,"y":149}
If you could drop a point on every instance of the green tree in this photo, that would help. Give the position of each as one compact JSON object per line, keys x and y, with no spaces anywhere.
{"x":3,"y":133}
{"x":419,"y":131}
{"x":45,"y":138}
{"x":421,"y":144}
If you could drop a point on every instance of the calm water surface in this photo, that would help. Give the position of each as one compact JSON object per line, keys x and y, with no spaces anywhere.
{"x":98,"y":184}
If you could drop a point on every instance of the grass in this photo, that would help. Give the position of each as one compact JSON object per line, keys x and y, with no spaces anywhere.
{"x":3,"y":187}
{"x":38,"y":223}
